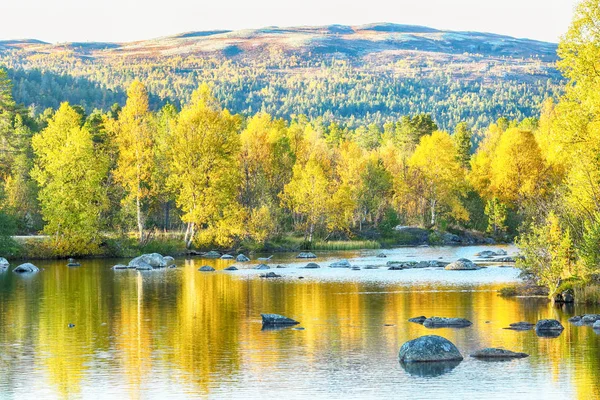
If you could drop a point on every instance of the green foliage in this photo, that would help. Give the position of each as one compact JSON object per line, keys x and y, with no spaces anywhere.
{"x":70,"y":174}
{"x":8,"y":246}
{"x":548,"y":253}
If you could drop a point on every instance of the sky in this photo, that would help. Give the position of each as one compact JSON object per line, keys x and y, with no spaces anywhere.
{"x":58,"y":21}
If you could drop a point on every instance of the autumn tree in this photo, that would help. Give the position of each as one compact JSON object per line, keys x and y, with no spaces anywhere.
{"x":204,"y":170}
{"x":439,"y":178}
{"x":70,"y":174}
{"x":133,"y":133}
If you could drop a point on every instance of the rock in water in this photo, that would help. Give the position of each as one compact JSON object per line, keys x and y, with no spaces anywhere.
{"x":241,"y":258}
{"x":26,"y":268}
{"x":497,"y":354}
{"x":142,"y":266}
{"x":212,"y":254}
{"x":429,"y":348}
{"x":520,"y":326}
{"x":462,"y":265}
{"x":441,"y":322}
{"x":227,"y":257}
{"x":73,"y":264}
{"x":548,"y":328}
{"x":120,"y":266}
{"x":381,"y":255}
{"x":418,"y":320}
{"x":262,"y":266}
{"x":154,"y":260}
{"x":590,"y":319}
{"x":276,"y":319}
{"x":168,"y":260}
{"x":306,"y":255}
{"x":270,"y":275}
{"x":340,"y":264}
{"x":232,"y":268}
{"x":206,"y":268}
{"x":596,"y":325}
{"x":4,"y":264}
{"x":312,"y":266}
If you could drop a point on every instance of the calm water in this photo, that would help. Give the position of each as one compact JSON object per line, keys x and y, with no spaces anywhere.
{"x":181,"y":333}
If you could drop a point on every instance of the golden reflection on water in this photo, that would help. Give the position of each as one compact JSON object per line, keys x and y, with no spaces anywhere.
{"x":201,"y":332}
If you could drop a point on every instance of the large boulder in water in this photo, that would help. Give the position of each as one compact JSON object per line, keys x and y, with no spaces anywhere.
{"x":143,"y":266}
{"x":276,"y":319}
{"x":154,"y":260}
{"x":26,"y":268}
{"x":3,"y":264}
{"x":429,"y":348}
{"x":442,"y":322}
{"x":462,"y":265}
{"x":596,"y":325}
{"x":497,"y":354}
{"x":548,"y":328}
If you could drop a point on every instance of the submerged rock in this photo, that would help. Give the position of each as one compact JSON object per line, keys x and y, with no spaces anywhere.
{"x":418,"y":320}
{"x":548,"y":328}
{"x":227,"y":257}
{"x":26,"y":268}
{"x":231,"y":268}
{"x":306,"y":255}
{"x":241,"y":258}
{"x":154,"y":260}
{"x":206,"y":268}
{"x":73,"y":264}
{"x":442,"y":322}
{"x":276,"y":319}
{"x":381,"y":255}
{"x":172,"y":266}
{"x":262,"y":266}
{"x":120,"y":266}
{"x":429,"y":348}
{"x":462,"y":265}
{"x":497,"y":354}
{"x":270,"y":275}
{"x":312,"y":266}
{"x":520,"y":326}
{"x":265,"y":258}
{"x":340,"y":264}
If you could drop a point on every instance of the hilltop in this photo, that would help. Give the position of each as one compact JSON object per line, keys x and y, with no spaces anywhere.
{"x":367,"y":73}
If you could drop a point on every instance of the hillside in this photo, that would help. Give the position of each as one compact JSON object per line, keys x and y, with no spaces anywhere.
{"x":352,"y":74}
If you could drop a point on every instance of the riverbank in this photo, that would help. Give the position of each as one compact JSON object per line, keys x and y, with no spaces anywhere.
{"x":172,"y":243}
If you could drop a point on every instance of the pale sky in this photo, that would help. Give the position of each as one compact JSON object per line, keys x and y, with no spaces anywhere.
{"x":128,"y":20}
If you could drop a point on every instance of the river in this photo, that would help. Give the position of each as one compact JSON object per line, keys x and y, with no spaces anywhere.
{"x":180,"y":333}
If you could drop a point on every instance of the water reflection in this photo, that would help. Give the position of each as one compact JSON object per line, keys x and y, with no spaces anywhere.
{"x":429,"y":369}
{"x":183,"y":333}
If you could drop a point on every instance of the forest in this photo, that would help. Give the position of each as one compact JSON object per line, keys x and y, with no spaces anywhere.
{"x":215,"y":179}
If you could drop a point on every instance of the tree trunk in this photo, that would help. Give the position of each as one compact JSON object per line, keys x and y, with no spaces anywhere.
{"x":140,"y":223}
{"x":167,"y":212}
{"x":191,"y":238}
{"x":433,"y":202}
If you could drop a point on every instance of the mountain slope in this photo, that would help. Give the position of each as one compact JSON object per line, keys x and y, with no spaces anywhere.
{"x":353,"y":74}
